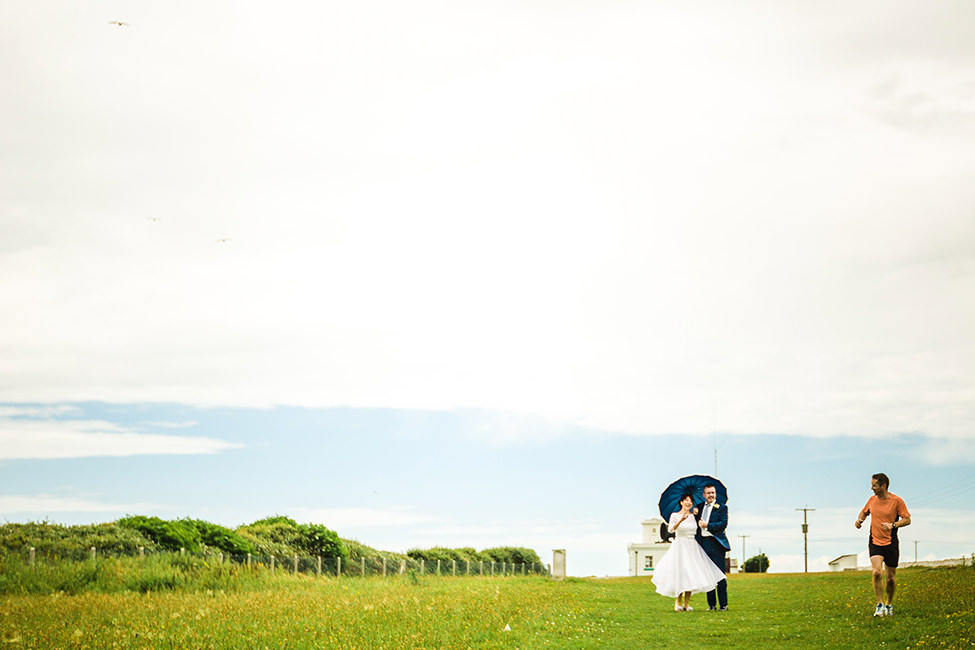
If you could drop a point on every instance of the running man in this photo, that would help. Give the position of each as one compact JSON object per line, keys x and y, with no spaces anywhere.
{"x":887,"y":513}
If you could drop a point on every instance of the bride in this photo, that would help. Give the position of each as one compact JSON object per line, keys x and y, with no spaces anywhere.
{"x":685,"y":568}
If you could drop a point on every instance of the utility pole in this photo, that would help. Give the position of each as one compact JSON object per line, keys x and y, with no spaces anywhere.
{"x":743,"y":552}
{"x":805,"y":537}
{"x":915,"y":551}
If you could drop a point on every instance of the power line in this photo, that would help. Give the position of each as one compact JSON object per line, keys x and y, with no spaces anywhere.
{"x":945,"y":493}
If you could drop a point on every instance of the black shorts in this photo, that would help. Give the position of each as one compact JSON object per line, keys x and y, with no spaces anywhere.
{"x":891,"y":553}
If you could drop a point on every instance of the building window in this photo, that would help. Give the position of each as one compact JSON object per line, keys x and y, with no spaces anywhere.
{"x":648,"y":562}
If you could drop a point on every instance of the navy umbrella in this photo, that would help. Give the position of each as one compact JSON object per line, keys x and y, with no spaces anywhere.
{"x":693,"y":485}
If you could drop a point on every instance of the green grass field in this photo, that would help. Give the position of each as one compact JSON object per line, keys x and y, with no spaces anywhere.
{"x":935,"y":608}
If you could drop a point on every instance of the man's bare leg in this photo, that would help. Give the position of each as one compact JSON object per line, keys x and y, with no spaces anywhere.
{"x":877,"y":562}
{"x":891,"y":584}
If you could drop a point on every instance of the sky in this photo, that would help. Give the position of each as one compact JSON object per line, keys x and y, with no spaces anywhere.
{"x":490,"y":273}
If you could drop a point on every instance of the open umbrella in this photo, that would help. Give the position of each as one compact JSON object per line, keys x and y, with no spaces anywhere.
{"x":693,"y":485}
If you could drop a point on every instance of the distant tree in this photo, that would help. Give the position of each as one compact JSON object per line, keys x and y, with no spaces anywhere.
{"x":756,"y":564}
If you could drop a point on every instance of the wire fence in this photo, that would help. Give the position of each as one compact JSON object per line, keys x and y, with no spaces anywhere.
{"x":318,"y":566}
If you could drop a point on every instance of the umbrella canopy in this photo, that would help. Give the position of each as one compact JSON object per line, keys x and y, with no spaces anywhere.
{"x":693,"y":485}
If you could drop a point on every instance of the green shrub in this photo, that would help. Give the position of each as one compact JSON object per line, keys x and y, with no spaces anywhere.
{"x":270,"y":538}
{"x":282,"y":536}
{"x":318,"y":541}
{"x":276,"y":519}
{"x":169,"y":535}
{"x":358,"y":550}
{"x":506,"y":554}
{"x":446,"y":554}
{"x":512,"y":555}
{"x":55,"y":540}
{"x":219,"y":537}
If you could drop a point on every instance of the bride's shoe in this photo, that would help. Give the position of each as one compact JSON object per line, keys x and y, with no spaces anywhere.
{"x":678,"y":608}
{"x":688,"y":609}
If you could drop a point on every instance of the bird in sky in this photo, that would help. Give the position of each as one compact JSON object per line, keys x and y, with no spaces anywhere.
{"x":152,"y":218}
{"x":223,"y":240}
{"x":118,"y":22}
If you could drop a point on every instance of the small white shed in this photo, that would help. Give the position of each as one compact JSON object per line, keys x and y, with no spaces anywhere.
{"x":844,"y":563}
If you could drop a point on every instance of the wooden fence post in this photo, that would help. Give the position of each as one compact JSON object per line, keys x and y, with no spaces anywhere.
{"x":220,"y":558}
{"x":248,"y":560}
{"x":296,"y":565}
{"x":93,"y":553}
{"x":142,"y":551}
{"x":33,"y":555}
{"x":468,"y":567}
{"x":319,"y":569}
{"x":438,"y":567}
{"x":423,"y":566}
{"x":454,"y":569}
{"x":384,"y":567}
{"x":338,"y":573}
{"x":363,"y":566}
{"x":272,"y":564}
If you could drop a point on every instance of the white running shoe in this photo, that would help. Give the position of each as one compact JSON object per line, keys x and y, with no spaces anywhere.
{"x":888,"y":610}
{"x":880,"y":610}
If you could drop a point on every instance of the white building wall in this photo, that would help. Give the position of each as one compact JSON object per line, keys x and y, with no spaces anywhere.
{"x":645,"y":555}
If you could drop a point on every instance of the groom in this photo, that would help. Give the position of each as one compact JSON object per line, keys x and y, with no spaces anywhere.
{"x":711,"y":524}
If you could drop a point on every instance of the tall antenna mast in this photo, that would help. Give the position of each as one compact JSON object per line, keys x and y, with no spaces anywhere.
{"x":714,"y":435}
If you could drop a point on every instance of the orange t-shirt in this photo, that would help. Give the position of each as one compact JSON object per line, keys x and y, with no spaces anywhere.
{"x":883,"y":511}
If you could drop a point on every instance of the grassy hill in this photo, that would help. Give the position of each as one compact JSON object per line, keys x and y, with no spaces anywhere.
{"x":935,"y":608}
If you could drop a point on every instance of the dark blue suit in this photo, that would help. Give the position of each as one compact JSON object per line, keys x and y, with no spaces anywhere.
{"x":716,"y":546}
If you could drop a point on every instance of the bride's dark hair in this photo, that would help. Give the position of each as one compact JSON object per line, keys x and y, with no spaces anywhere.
{"x":687,"y":495}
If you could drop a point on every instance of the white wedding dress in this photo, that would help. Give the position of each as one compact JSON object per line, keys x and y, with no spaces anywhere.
{"x":685,"y":566}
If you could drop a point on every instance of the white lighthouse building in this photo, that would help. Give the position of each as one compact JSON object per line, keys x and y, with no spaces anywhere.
{"x":645,"y":555}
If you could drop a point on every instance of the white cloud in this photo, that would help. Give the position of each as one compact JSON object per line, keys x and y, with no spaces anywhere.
{"x":172,"y":425}
{"x":948,"y":451}
{"x":640,"y":218}
{"x":41,"y":505}
{"x":46,"y":439}
{"x":924,"y":99}
{"x":37,"y":411}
